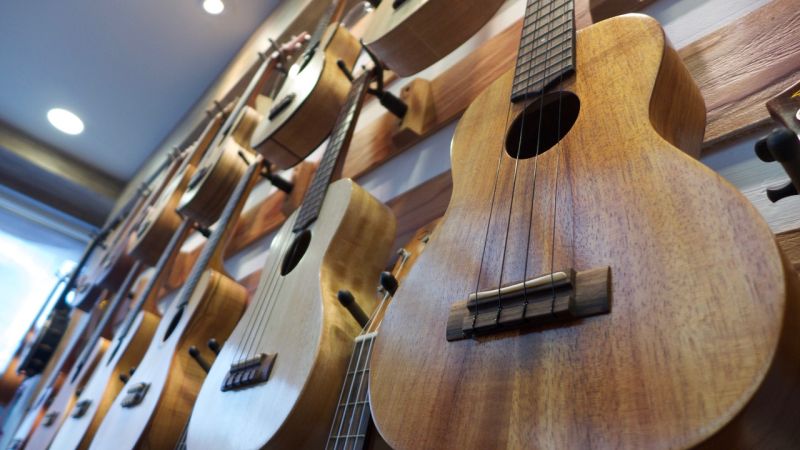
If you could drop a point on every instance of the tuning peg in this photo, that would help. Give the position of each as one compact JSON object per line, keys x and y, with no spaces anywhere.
{"x":389,"y":282}
{"x":203,"y":230}
{"x":782,"y":192}
{"x":348,"y":301}
{"x":276,"y":180}
{"x":213,"y":345}
{"x":762,"y":150}
{"x":124,"y":377}
{"x":131,"y":371}
{"x":195,"y":354}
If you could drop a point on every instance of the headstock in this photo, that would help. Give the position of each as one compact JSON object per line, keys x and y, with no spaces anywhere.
{"x":783,"y":143}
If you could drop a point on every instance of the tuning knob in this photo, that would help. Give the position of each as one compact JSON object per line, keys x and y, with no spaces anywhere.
{"x":348,"y":301}
{"x":213,"y":345}
{"x":776,"y":194}
{"x":124,"y":377}
{"x":782,"y":145}
{"x":195,"y":354}
{"x":389,"y":282}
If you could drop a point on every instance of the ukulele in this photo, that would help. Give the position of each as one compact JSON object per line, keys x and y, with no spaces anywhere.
{"x":307,"y":104}
{"x":154,"y":405}
{"x":410,"y":35}
{"x":352,"y":422}
{"x":93,"y":349}
{"x":590,"y":285}
{"x":221,"y":168}
{"x":783,"y":143}
{"x":159,"y":223}
{"x":271,"y":383}
{"x":124,"y":353}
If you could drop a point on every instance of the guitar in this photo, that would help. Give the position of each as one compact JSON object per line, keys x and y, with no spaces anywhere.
{"x":307,"y":104}
{"x":410,"y":35}
{"x":352,"y":424}
{"x":93,"y":349}
{"x":125,"y":351}
{"x":221,"y":168}
{"x":783,"y":144}
{"x":590,"y":285}
{"x":271,"y":383}
{"x":152,"y":409}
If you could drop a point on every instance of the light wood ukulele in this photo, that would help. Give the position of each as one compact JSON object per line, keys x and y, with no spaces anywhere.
{"x":123,"y":355}
{"x":152,"y":409}
{"x":590,"y":286}
{"x":221,"y":168}
{"x":352,"y":422}
{"x":271,"y":385}
{"x":410,"y":35}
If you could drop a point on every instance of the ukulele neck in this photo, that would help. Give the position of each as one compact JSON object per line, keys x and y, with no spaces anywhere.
{"x":547,"y":47}
{"x":330,"y":165}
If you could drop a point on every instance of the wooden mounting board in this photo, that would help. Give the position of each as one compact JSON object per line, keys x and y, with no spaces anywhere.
{"x":735,"y":84}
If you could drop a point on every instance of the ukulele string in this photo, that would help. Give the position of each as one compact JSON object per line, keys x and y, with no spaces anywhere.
{"x":535,"y":170}
{"x":555,"y":188}
{"x":261,"y":301}
{"x":492,"y":203}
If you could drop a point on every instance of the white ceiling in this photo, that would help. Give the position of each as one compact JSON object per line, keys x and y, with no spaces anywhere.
{"x":130,"y":69}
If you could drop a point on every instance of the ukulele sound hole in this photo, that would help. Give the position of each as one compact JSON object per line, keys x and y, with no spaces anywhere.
{"x":174,"y":323}
{"x":542,"y":125}
{"x":296,"y":252}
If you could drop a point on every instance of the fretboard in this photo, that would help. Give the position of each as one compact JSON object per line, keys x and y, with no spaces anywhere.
{"x":353,"y":415}
{"x":159,"y":275}
{"x":121,"y":294}
{"x":547,"y":47}
{"x":330,"y":164}
{"x":331,"y":13}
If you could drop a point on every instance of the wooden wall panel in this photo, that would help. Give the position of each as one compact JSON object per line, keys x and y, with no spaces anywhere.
{"x":742,"y":65}
{"x":737,"y":67}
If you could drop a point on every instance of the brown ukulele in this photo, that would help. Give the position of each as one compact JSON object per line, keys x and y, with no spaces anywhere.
{"x":221,"y":168}
{"x":352,"y":422}
{"x":154,"y":405}
{"x":410,"y":35}
{"x":312,"y":95}
{"x":275,"y":382}
{"x":590,"y":285}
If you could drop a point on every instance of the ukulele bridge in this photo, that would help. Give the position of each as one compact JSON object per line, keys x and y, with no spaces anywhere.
{"x":558,"y":297}
{"x":249,"y":372}
{"x":135,"y":395}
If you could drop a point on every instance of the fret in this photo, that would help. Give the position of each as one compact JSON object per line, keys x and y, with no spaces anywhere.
{"x":334,"y":154}
{"x":353,"y":414}
{"x":546,"y":51}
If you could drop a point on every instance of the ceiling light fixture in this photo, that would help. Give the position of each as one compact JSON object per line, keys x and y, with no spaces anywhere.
{"x":213,"y":6}
{"x":65,"y":121}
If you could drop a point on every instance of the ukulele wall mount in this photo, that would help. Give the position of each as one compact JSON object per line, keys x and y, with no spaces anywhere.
{"x":782,"y":145}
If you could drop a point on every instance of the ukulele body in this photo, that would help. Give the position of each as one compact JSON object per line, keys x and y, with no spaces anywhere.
{"x":418,"y":33}
{"x":700,"y":343}
{"x":308,"y":330}
{"x":104,"y":385}
{"x":56,"y":413}
{"x":173,"y":377}
{"x":317,"y":93}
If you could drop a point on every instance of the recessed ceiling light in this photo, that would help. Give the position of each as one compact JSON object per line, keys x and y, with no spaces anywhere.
{"x":65,"y":121}
{"x":213,"y":6}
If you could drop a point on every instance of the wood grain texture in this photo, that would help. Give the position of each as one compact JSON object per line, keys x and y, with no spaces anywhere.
{"x":298,"y":317}
{"x":319,"y":90}
{"x":415,"y":35}
{"x":668,"y":367}
{"x":742,"y":65}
